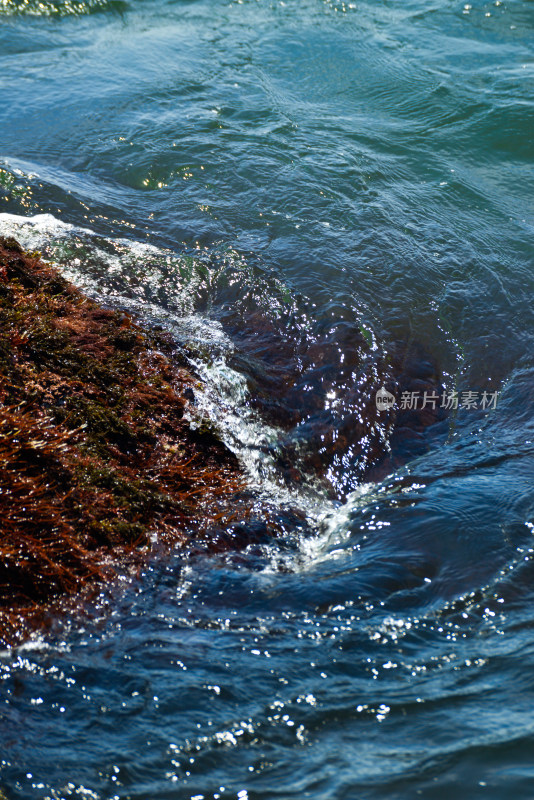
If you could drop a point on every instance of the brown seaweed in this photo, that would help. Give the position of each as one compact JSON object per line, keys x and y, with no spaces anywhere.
{"x":96,"y":454}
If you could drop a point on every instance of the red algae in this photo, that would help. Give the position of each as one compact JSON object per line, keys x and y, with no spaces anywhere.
{"x":96,"y":453}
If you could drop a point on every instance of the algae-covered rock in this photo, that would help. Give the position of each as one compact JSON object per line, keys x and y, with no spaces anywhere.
{"x":95,"y":451}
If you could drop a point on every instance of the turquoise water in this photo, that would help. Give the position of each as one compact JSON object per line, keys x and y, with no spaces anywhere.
{"x":296,"y":189}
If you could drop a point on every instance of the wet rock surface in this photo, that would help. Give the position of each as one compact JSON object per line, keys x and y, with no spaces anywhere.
{"x":95,"y":452}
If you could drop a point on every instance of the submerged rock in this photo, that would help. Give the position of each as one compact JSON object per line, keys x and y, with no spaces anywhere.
{"x":319,"y":391}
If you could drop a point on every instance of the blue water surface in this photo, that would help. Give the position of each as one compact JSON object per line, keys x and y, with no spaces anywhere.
{"x":358,"y":164}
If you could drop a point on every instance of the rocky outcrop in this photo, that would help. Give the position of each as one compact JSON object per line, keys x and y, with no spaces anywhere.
{"x":95,"y":451}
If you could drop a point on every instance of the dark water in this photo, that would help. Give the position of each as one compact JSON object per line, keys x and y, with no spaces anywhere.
{"x":284,"y":184}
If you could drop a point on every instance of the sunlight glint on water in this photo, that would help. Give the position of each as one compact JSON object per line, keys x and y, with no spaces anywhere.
{"x":323,"y":180}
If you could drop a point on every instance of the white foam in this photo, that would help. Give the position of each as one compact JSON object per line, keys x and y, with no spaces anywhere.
{"x":33,"y":232}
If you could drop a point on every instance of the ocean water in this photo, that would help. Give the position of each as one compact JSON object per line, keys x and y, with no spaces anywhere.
{"x":298,"y":192}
